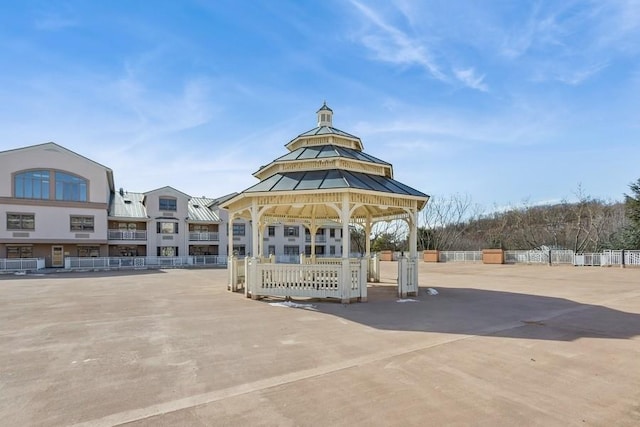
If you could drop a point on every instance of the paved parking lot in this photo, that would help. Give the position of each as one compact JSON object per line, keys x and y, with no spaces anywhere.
{"x":498,"y":345}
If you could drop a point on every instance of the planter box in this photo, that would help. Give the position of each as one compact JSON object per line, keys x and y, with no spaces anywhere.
{"x":430,"y":256}
{"x":386,"y":256}
{"x":493,"y":256}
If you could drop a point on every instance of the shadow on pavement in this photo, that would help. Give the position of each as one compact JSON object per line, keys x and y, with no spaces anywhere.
{"x":471,"y":311}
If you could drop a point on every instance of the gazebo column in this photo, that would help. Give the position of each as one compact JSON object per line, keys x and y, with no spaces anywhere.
{"x":231,"y":259}
{"x":413,"y":244}
{"x":367,"y":237}
{"x":413,"y":234}
{"x":346,"y":273}
{"x":255,"y":228}
{"x":313,"y":229}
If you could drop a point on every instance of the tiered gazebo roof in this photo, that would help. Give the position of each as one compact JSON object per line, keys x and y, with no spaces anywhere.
{"x":323,"y":164}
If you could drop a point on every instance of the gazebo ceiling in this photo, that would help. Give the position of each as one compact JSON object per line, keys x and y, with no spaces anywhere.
{"x":324,"y":206}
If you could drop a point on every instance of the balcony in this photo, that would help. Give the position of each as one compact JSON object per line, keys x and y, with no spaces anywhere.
{"x":320,"y":238}
{"x":203,"y":236}
{"x":127,"y":235}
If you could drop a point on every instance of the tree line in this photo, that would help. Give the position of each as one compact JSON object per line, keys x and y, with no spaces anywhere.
{"x":456,"y":223}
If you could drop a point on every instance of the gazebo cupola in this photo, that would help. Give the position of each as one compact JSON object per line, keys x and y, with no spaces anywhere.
{"x":325,"y":116}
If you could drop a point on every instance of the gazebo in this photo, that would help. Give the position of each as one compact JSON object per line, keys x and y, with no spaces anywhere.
{"x":326,"y":178}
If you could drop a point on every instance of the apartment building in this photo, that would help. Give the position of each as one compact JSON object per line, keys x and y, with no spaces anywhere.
{"x":56,"y":203}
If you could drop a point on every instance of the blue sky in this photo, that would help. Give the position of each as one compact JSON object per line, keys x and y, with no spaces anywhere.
{"x":508,"y":102}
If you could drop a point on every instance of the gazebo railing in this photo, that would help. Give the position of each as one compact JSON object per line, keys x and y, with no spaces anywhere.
{"x":329,"y":280}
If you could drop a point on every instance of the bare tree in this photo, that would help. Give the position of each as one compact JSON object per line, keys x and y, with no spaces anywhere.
{"x":445,"y":220}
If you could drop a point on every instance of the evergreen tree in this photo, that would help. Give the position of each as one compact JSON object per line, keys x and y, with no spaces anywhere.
{"x":632,"y":209}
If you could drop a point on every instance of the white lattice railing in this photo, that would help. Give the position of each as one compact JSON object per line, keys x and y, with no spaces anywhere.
{"x":308,"y":280}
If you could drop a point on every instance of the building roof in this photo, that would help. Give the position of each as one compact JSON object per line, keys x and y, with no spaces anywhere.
{"x":56,"y":147}
{"x":199,"y":210}
{"x":332,"y":179}
{"x":324,"y":151}
{"x":127,"y":205}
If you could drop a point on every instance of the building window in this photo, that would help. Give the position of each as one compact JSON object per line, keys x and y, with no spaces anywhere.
{"x":167,"y":228}
{"x":32,"y":185}
{"x":168,"y":251}
{"x":238,"y":229}
{"x":271,"y":231}
{"x":200,"y":228}
{"x":70,"y":187}
{"x":272,"y":250}
{"x":19,"y":252}
{"x":292,"y":231}
{"x":88,"y":251}
{"x":332,"y":250}
{"x":239,"y":250}
{"x":291,"y":250}
{"x":127,"y":226}
{"x":16,"y":221}
{"x":167,"y":204}
{"x":81,"y":223}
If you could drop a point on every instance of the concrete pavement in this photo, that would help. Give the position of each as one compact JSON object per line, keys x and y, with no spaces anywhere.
{"x":499,"y":345}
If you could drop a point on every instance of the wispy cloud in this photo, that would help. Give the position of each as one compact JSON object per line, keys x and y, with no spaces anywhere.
{"x":578,"y":76}
{"x":393,"y":45}
{"x":470,"y":79}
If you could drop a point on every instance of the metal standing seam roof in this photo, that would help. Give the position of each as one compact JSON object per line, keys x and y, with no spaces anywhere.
{"x":327,"y":151}
{"x":326,"y":130}
{"x":127,"y":205}
{"x":199,"y":210}
{"x":332,"y":179}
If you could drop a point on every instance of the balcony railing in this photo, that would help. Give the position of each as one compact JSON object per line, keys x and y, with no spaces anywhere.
{"x":127,"y":234}
{"x":205,"y":236}
{"x":319,"y":238}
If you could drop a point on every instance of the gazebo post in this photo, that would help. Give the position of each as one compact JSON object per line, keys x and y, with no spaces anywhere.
{"x":413,"y":244}
{"x":346,"y":274}
{"x":230,"y":258}
{"x":255,"y":227}
{"x":367,"y":237}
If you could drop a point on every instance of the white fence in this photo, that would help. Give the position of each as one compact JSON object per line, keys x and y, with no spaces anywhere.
{"x":608,"y":258}
{"x":71,"y":263}
{"x":460,"y":256}
{"x":21,"y":264}
{"x":539,"y":257}
{"x":552,"y":257}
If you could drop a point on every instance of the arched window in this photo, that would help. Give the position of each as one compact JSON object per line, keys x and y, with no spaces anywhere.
{"x":32,"y":185}
{"x":70,"y":187}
